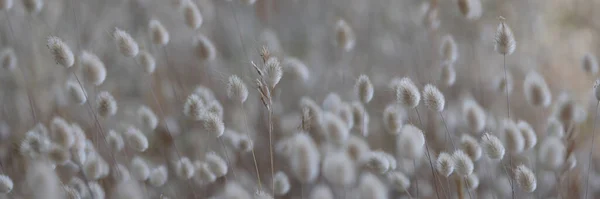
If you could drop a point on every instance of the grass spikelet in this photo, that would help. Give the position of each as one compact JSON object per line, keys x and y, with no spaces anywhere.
{"x":61,"y":52}
{"x":147,"y":61}
{"x":71,"y":193}
{"x":217,"y":165}
{"x":214,"y":125}
{"x":106,"y":104}
{"x":463,"y":165}
{"x":115,"y":141}
{"x":62,"y":133}
{"x":589,"y":64}
{"x":525,"y":178}
{"x":363,"y":89}
{"x":282,"y":183}
{"x":203,"y":173}
{"x":472,"y":182}
{"x":215,"y":107}
{"x":392,"y":119}
{"x":158,"y":176}
{"x":336,"y":130}
{"x":444,"y":164}
{"x":377,"y":162}
{"x":552,"y":153}
{"x":193,"y":107}
{"x":136,"y":139}
{"x":399,"y":181}
{"x":448,"y":49}
{"x":470,"y":9}
{"x":272,"y":72}
{"x":93,"y":67}
{"x":93,"y":168}
{"x":158,"y":33}
{"x":357,"y":148}
{"x":321,"y":191}
{"x":371,"y":187}
{"x":536,"y":90}
{"x":474,"y":115}
{"x":76,"y":93}
{"x":344,"y":35}
{"x":529,"y":135}
{"x":8,"y":59}
{"x":139,"y":169}
{"x":34,"y":145}
{"x":191,"y":14}
{"x":514,"y":140}
{"x":470,"y":146}
{"x":410,"y":143}
{"x":505,"y":40}
{"x":332,"y":102}
{"x":304,"y":158}
{"x":204,"y":94}
{"x":260,"y":194}
{"x":312,"y":113}
{"x":407,"y":93}
{"x":345,"y":113}
{"x":555,"y":128}
{"x":236,"y":89}
{"x":125,"y":43}
{"x":147,"y":117}
{"x":339,"y":170}
{"x":59,"y":155}
{"x":205,"y":49}
{"x":433,"y":98}
{"x":184,"y":168}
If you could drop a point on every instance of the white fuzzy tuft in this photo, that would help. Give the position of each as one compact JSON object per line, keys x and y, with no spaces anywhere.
{"x":525,"y":178}
{"x":236,"y":89}
{"x":94,"y":70}
{"x":281,"y":183}
{"x":433,"y":98}
{"x":445,"y":164}
{"x":126,"y":44}
{"x":106,"y":104}
{"x":493,"y":146}
{"x":61,"y":52}
{"x":364,"y":89}
{"x":505,"y":40}
{"x":463,"y":165}
{"x":407,"y":93}
{"x":411,"y":141}
{"x":158,"y":176}
{"x":136,"y":139}
{"x":371,"y":187}
{"x":158,"y":33}
{"x":339,"y":170}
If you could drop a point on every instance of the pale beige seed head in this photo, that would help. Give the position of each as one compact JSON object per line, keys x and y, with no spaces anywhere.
{"x":158,"y":33}
{"x":332,"y":102}
{"x":281,"y":183}
{"x":191,"y":14}
{"x":193,"y":107}
{"x":338,"y":169}
{"x":106,"y":105}
{"x":236,"y":89}
{"x":147,"y":61}
{"x":471,"y":9}
{"x":33,"y":6}
{"x":463,"y":165}
{"x":444,"y":164}
{"x":61,"y":52}
{"x":525,"y":178}
{"x":410,"y":143}
{"x":236,"y":191}
{"x":214,"y":125}
{"x":344,"y":35}
{"x":552,"y":153}
{"x":305,"y":158}
{"x":554,"y":128}
{"x":296,"y":69}
{"x":273,"y":72}
{"x":92,"y":169}
{"x":345,"y":113}
{"x":96,"y":190}
{"x":125,"y":43}
{"x":203,"y":173}
{"x":147,"y":117}
{"x":472,"y":182}
{"x":61,"y":132}
{"x":8,"y":59}
{"x":34,"y":145}
{"x":363,"y":89}
{"x":470,"y":146}
{"x":337,"y":131}
{"x":528,"y":133}
{"x":184,"y":168}
{"x":139,"y":169}
{"x":120,"y":174}
{"x":504,"y":84}
{"x":215,"y":107}
{"x":589,"y":64}
{"x":406,"y":92}
{"x":433,"y":98}
{"x":94,"y":70}
{"x":76,"y":93}
{"x":431,"y":18}
{"x":536,"y":90}
{"x":158,"y":176}
{"x":448,"y":74}
{"x":377,"y":162}
{"x":371,"y":187}
{"x":59,"y":155}
{"x":204,"y":93}
{"x":398,"y":180}
{"x":474,"y":115}
{"x":392,"y":119}
{"x":513,"y":138}
{"x":216,"y":164}
{"x":115,"y":141}
{"x":505,"y":40}
{"x":448,"y":49}
{"x":205,"y":49}
{"x":136,"y":139}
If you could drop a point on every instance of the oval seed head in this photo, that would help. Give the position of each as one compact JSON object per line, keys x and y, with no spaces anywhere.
{"x":34,"y":145}
{"x":8,"y":59}
{"x":448,"y":49}
{"x":217,"y":165}
{"x":536,"y":90}
{"x":433,"y":98}
{"x":193,"y":107}
{"x":126,"y":44}
{"x":371,"y":187}
{"x":339,"y":169}
{"x":463,"y":165}
{"x":474,"y":115}
{"x":377,"y":162}
{"x":321,"y":191}
{"x":136,"y":139}
{"x":525,"y":178}
{"x":33,"y":6}
{"x":215,"y":107}
{"x":336,"y":130}
{"x":205,"y":94}
{"x":311,"y":113}
{"x":399,"y":181}
{"x":406,"y":92}
{"x":589,"y":64}
{"x":79,"y":155}
{"x":296,"y":69}
{"x":214,"y":125}
{"x":62,"y":133}
{"x":93,"y":67}
{"x":78,"y":135}
{"x":493,"y":146}
{"x":147,"y":117}
{"x":472,"y":182}
{"x":158,"y":33}
{"x":444,"y":164}
{"x":236,"y":89}
{"x":273,"y":72}
{"x":59,"y":155}
{"x":471,"y":147}
{"x":504,"y":84}
{"x":139,"y":169}
{"x":203,"y":172}
{"x":505,"y":40}
{"x":555,"y":128}
{"x":331,"y":102}
{"x":191,"y":13}
{"x":76,"y":93}
{"x":361,"y":118}
{"x":552,"y":153}
{"x":282,"y":183}
{"x":344,"y":35}
{"x":106,"y":104}
{"x":304,"y":158}
{"x":147,"y":61}
{"x":158,"y":176}
{"x":448,"y":74}
{"x":6,"y":4}
{"x":410,"y":142}
{"x":364,"y":89}
{"x":566,"y":111}
{"x":96,"y":190}
{"x":471,"y":9}
{"x":245,"y":144}
{"x":528,"y":133}
{"x":60,"y":51}
{"x":392,"y":119}
{"x":205,"y":49}
{"x":513,"y":138}
{"x":115,"y":141}
{"x":184,"y":168}
{"x":93,"y":168}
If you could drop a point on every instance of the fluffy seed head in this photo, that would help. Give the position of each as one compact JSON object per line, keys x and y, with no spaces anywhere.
{"x":273,"y":72}
{"x":136,"y":139}
{"x":505,"y":40}
{"x":566,"y":111}
{"x":205,"y":49}
{"x":158,"y":33}
{"x":552,"y":153}
{"x":512,"y":136}
{"x":193,"y":107}
{"x":296,"y":68}
{"x":336,"y":130}
{"x":471,"y":9}
{"x":344,"y":35}
{"x":361,"y":118}
{"x":158,"y":176}
{"x":399,"y":181}
{"x":525,"y":178}
{"x":410,"y":143}
{"x":115,"y":141}
{"x":147,"y":61}
{"x":331,"y":102}
{"x":282,"y":183}
{"x":236,"y":89}
{"x":371,"y":187}
{"x":392,"y":119}
{"x":191,"y":13}
{"x":463,"y":165}
{"x":448,"y":49}
{"x":60,"y":51}
{"x":321,"y":192}
{"x":106,"y":104}
{"x":339,"y":169}
{"x":377,"y":162}
{"x":184,"y":168}
{"x":311,"y":113}
{"x":71,"y":193}
{"x":215,"y":107}
{"x":8,"y":59}
{"x":472,"y":182}
{"x":406,"y":92}
{"x":76,"y":93}
{"x":304,"y":158}
{"x":93,"y":67}
{"x":471,"y":147}
{"x":62,"y":133}
{"x":364,"y":89}
{"x":59,"y":155}
{"x":529,"y":135}
{"x":93,"y":168}
{"x":536,"y":90}
{"x":554,"y":128}
{"x":139,"y":169}
{"x":474,"y":115}
{"x":217,"y":165}
{"x":34,"y":145}
{"x":33,"y":6}
{"x":448,"y":74}
{"x":444,"y":164}
{"x":147,"y":117}
{"x":493,"y":146}
{"x":433,"y":98}
{"x":214,"y":125}
{"x":126,"y":44}
{"x":589,"y":64}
